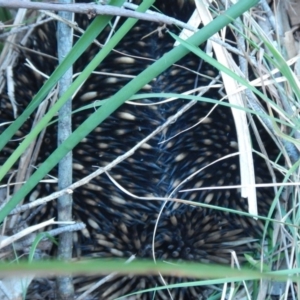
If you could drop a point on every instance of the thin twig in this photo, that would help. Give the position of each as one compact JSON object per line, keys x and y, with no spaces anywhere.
{"x":23,"y":28}
{"x":99,"y":171}
{"x":92,"y":10}
{"x":65,"y":287}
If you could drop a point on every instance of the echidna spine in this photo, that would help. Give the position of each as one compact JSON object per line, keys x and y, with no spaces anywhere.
{"x":120,"y":226}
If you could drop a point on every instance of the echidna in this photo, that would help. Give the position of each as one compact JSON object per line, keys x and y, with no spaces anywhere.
{"x":117,"y":225}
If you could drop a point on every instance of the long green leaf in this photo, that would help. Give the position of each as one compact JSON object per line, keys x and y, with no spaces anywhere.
{"x":91,"y":33}
{"x":181,"y":96}
{"x":131,"y":88}
{"x":83,"y":43}
{"x":104,"y":266}
{"x":213,"y":62}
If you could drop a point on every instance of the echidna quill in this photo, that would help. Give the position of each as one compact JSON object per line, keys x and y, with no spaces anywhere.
{"x":117,"y":224}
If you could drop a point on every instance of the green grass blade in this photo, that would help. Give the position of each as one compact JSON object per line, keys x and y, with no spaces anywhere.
{"x":213,"y":62}
{"x":73,"y":88}
{"x":282,"y":66}
{"x":131,"y":88}
{"x":91,"y":33}
{"x":83,"y":43}
{"x":105,"y":266}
